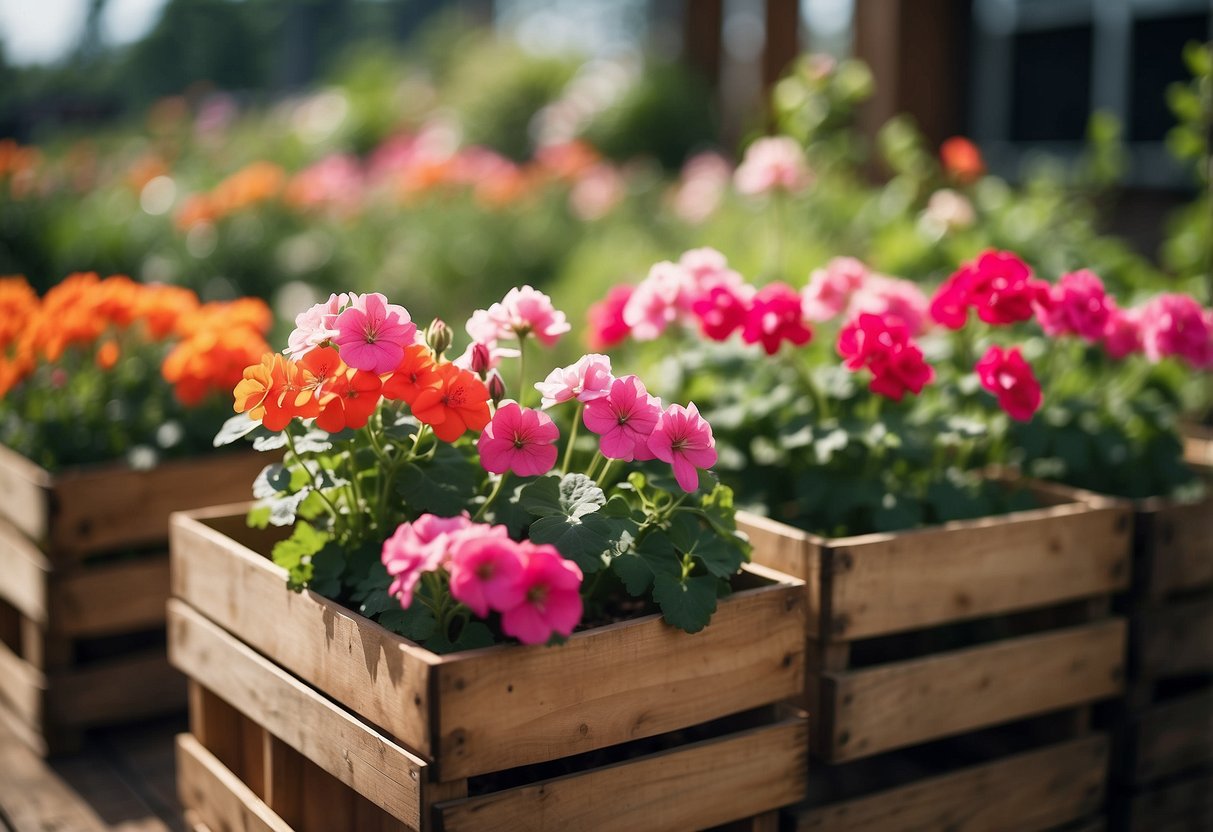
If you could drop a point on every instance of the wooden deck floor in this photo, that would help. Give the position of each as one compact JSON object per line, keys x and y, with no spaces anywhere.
{"x":123,"y":781}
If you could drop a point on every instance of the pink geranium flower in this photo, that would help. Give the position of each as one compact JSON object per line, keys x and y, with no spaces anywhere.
{"x":607,"y":326}
{"x":701,"y":187}
{"x":551,"y":597}
{"x":882,"y":344}
{"x":1174,"y":325}
{"x":829,"y":289}
{"x":1076,"y":305}
{"x":707,"y":268}
{"x":588,"y":379}
{"x":773,"y":163}
{"x":1008,"y":376}
{"x":486,"y":572}
{"x":683,"y":438}
{"x":624,"y":419}
{"x":721,"y":311}
{"x":419,"y":547}
{"x":482,"y":356}
{"x":1122,"y":333}
{"x":523,"y":311}
{"x":315,"y":326}
{"x":518,"y":439}
{"x":775,"y":316}
{"x":998,"y":284}
{"x":372,"y":333}
{"x":891,"y":297}
{"x":661,"y":298}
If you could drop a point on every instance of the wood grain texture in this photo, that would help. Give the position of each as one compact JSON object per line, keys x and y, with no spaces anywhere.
{"x":1026,"y":792}
{"x":24,"y":495}
{"x":693,"y":787}
{"x":129,"y":687}
{"x":23,"y":573}
{"x":500,"y":707}
{"x":1174,"y":736}
{"x":217,"y":796}
{"x":1177,"y":545}
{"x":111,"y":508}
{"x":895,"y":705}
{"x":345,"y":748}
{"x":108,"y":599}
{"x":373,"y":672}
{"x":22,"y":687}
{"x":1175,"y":638}
{"x":35,"y":799}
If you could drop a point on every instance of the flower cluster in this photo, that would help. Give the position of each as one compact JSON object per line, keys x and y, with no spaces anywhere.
{"x":102,"y":339}
{"x":361,"y":383}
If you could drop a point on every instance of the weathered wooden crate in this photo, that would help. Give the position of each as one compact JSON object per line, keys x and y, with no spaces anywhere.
{"x":300,"y":704}
{"x":945,"y":632}
{"x":83,"y":582}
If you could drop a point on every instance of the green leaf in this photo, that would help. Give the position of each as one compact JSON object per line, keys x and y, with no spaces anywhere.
{"x":313,"y":442}
{"x":590,"y":540}
{"x":571,"y":497}
{"x":274,"y":478}
{"x":687,"y":604}
{"x":259,"y":517}
{"x":416,"y":623}
{"x":654,"y":556}
{"x":295,"y":553}
{"x":284,"y":510}
{"x":235,"y":428}
{"x":706,"y":545}
{"x":474,"y":634}
{"x":273,"y":442}
{"x":444,"y":485}
{"x":327,"y":567}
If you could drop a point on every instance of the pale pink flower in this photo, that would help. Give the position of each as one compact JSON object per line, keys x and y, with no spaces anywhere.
{"x":1076,"y":305}
{"x":701,"y":187}
{"x":830,"y":288}
{"x":707,"y":269}
{"x":773,"y":163}
{"x":551,"y":597}
{"x":684,"y":439}
{"x":596,"y":192}
{"x":486,"y":572}
{"x":523,"y":311}
{"x":893,"y":297}
{"x":948,"y":210}
{"x":373,"y":333}
{"x":664,"y":296}
{"x":490,"y":353}
{"x":419,"y":547}
{"x":1175,"y":325}
{"x":1122,"y":333}
{"x":315,"y":326}
{"x":587,"y":379}
{"x":624,"y":419}
{"x":518,"y":439}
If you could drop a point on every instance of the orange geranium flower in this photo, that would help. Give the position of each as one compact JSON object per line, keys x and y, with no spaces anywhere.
{"x":108,"y":354}
{"x":18,"y":306}
{"x":211,"y":361}
{"x":117,"y":299}
{"x":276,"y":391}
{"x":324,"y":363}
{"x":458,"y":404}
{"x":161,"y":306}
{"x":348,"y":400}
{"x":962,"y":159}
{"x":417,"y":371}
{"x":247,"y":313}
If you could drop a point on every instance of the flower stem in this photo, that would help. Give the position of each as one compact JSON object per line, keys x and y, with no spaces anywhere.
{"x":820,"y":406}
{"x":594,"y":463}
{"x":492,"y":495}
{"x":568,"y":450}
{"x":606,"y":472}
{"x":290,"y":443}
{"x":522,"y":370}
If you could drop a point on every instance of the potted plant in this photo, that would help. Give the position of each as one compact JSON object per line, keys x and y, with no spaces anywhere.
{"x":109,"y":390}
{"x":505,"y":607}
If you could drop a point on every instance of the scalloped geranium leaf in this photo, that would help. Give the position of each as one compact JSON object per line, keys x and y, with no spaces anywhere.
{"x":687,"y":604}
{"x":237,"y":427}
{"x":636,"y":567}
{"x":571,"y":497}
{"x":444,"y":485}
{"x":272,"y":442}
{"x":273,"y":479}
{"x":416,"y":623}
{"x":295,"y":553}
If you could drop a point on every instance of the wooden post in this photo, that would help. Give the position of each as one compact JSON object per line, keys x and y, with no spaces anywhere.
{"x":782,"y":40}
{"x":702,"y":21}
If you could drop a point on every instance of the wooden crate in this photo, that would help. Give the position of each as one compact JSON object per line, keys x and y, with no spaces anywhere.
{"x":299,"y":702}
{"x":83,"y":582}
{"x":944,"y":632}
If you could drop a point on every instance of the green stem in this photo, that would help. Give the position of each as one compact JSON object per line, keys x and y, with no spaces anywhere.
{"x":290,"y":444}
{"x":568,"y":450}
{"x":492,"y":495}
{"x":601,"y":480}
{"x":778,"y":225}
{"x":522,"y":370}
{"x":594,"y":463}
{"x":820,"y":405}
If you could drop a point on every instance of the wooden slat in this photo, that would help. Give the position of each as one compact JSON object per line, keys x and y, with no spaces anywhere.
{"x":1178,"y":542}
{"x":503,"y":708}
{"x":112,"y":508}
{"x":113,"y":598}
{"x":1174,"y":736}
{"x":216,"y":795}
{"x":1175,"y":638}
{"x":23,"y":573}
{"x":892,"y":706}
{"x":700,"y":785}
{"x":1183,"y":806}
{"x":342,"y":746}
{"x":881,"y":584}
{"x":604,"y":686}
{"x":1026,"y":792}
{"x":22,"y":687}
{"x":369,"y":670}
{"x":24,"y":499}
{"x":137,"y":685}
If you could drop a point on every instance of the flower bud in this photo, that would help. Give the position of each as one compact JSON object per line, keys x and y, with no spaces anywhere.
{"x":481,"y":359}
{"x":438,"y":336}
{"x":496,"y":388}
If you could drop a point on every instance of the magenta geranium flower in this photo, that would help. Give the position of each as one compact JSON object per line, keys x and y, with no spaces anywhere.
{"x":776,"y":315}
{"x":419,"y":547}
{"x":1076,"y":305}
{"x":372,"y":333}
{"x":624,"y":419}
{"x":588,"y":379}
{"x":606,"y":323}
{"x":892,"y":297}
{"x":486,"y":572}
{"x":998,"y":284}
{"x":722,"y":310}
{"x":1122,"y":333}
{"x":1008,"y":376}
{"x":518,"y":439}
{"x":1174,"y":325}
{"x":683,"y":438}
{"x":551,"y":597}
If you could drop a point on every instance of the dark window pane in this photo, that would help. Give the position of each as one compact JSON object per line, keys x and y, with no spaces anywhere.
{"x":1156,"y":63}
{"x":1052,"y":85}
